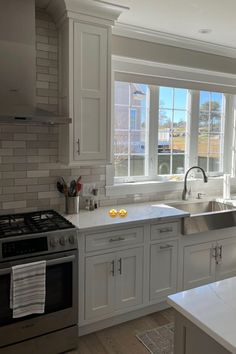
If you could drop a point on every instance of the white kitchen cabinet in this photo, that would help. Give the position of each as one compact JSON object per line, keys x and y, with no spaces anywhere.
{"x":129,"y":284}
{"x":199,"y":265}
{"x":208,"y":262}
{"x":226,"y":266}
{"x":113,"y":281}
{"x":99,"y":285}
{"x":163,"y":269}
{"x":90,"y":92}
{"x":85,"y":86}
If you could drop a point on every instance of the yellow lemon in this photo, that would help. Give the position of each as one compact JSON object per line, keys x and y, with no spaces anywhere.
{"x":113,"y":213}
{"x":123,"y":213}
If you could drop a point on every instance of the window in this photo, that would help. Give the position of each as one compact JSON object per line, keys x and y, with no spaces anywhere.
{"x":172,"y":120}
{"x":159,"y":131}
{"x":211,"y":131}
{"x":131,"y":133}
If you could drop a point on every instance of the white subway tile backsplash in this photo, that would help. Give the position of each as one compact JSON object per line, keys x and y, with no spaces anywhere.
{"x":38,"y":173}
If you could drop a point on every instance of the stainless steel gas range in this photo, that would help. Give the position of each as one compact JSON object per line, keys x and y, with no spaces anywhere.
{"x":30,"y":237}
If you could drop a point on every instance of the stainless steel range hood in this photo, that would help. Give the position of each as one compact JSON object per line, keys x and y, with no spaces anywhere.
{"x":18,"y":66}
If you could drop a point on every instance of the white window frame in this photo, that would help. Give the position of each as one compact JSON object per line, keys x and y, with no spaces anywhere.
{"x":176,"y":74}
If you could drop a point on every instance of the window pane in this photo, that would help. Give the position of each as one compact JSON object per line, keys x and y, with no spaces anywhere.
{"x":122,"y":93}
{"x":165,"y":119}
{"x":164,"y":141}
{"x":121,"y":166}
{"x":121,"y":142}
{"x":137,"y":142}
{"x":166,"y":97}
{"x":178,"y":141}
{"x":163,"y":165}
{"x":178,"y":164}
{"x":137,"y":164}
{"x":211,"y":131}
{"x":121,"y":117}
{"x":180,"y":99}
{"x":139,"y":95}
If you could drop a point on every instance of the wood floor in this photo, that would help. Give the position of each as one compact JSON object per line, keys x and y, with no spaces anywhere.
{"x":121,"y":339}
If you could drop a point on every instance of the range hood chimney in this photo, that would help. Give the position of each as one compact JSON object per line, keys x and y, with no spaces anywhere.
{"x":18,"y":66}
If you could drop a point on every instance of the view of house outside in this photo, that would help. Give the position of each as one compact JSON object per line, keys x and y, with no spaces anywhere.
{"x":131,"y":135}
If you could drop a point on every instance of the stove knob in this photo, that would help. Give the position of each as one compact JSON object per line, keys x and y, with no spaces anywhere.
{"x":71,"y":239}
{"x":53,"y":242}
{"x":62,"y":241}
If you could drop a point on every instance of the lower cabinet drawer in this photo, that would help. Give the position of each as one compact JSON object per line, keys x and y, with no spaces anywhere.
{"x":111,"y":239}
{"x":161,"y":231}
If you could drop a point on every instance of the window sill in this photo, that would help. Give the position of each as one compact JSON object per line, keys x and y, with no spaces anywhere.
{"x":148,"y":187}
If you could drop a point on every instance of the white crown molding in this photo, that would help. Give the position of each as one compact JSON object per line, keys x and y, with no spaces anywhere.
{"x":131,"y":31}
{"x":173,"y":72}
{"x":98,"y":9}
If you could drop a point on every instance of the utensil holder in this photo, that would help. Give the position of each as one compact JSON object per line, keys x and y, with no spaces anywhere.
{"x":72,"y":205}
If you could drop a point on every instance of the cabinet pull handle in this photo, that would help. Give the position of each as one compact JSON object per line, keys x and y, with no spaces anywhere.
{"x":117,"y":239}
{"x":214,"y":252}
{"x":220,"y":254}
{"x":167,"y":229}
{"x":113,"y":268}
{"x":163,"y":247}
{"x":78,"y":143}
{"x":120,"y":266}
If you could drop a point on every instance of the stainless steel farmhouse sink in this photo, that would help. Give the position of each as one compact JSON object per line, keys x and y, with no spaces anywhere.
{"x":205,"y":216}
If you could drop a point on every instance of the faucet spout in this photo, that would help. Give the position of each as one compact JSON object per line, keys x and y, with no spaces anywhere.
{"x":185,"y":190}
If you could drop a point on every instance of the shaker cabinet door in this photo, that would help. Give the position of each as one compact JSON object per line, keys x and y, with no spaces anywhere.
{"x":226,"y":266}
{"x":99,"y":285}
{"x":163,"y":269}
{"x":129,"y":279}
{"x":199,"y":265}
{"x":90,"y":92}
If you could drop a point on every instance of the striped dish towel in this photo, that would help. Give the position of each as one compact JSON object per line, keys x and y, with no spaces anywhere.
{"x":28,"y":290}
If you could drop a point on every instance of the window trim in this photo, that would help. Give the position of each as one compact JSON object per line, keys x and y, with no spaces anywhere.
{"x":127,"y":66}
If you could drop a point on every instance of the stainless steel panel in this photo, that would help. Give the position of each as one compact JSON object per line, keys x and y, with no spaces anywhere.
{"x":205,"y":216}
{"x":52,"y":343}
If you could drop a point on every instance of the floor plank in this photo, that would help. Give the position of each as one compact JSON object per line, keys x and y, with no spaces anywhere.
{"x":121,"y":339}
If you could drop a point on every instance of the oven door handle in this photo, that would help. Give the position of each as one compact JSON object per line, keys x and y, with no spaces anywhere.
{"x":48,"y":263}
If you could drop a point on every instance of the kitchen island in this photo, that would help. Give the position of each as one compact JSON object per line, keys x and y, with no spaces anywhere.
{"x":205,"y":319}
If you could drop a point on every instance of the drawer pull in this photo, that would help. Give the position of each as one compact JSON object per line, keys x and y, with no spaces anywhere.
{"x":117,"y":239}
{"x":163,"y":247}
{"x":167,"y":229}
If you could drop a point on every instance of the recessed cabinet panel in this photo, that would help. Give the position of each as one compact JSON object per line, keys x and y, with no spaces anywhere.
{"x":90,"y":125}
{"x":99,"y":287}
{"x":199,"y":265}
{"x":91,"y":57}
{"x":163,"y":269}
{"x":90,"y":111}
{"x":129,"y":277}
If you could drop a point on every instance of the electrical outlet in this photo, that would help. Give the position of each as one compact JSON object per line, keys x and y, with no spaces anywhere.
{"x":87,"y":189}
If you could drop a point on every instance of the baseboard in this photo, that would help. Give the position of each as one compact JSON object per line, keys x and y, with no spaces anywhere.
{"x":112,"y":321}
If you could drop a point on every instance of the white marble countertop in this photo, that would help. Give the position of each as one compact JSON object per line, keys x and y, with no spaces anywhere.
{"x":212,"y":308}
{"x":86,"y":220}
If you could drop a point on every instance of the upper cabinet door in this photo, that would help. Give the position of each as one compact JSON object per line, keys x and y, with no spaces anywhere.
{"x":90,"y":92}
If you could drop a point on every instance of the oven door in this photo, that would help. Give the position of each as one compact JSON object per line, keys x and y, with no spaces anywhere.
{"x":61,"y":305}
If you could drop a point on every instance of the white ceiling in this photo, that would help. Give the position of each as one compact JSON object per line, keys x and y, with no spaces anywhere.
{"x":184,"y":18}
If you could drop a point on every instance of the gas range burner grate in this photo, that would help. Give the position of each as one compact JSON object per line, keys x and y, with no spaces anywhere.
{"x":31,"y":223}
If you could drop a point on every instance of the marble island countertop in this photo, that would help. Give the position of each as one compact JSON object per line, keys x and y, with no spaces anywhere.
{"x":140,"y":212}
{"x":212,"y":308}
